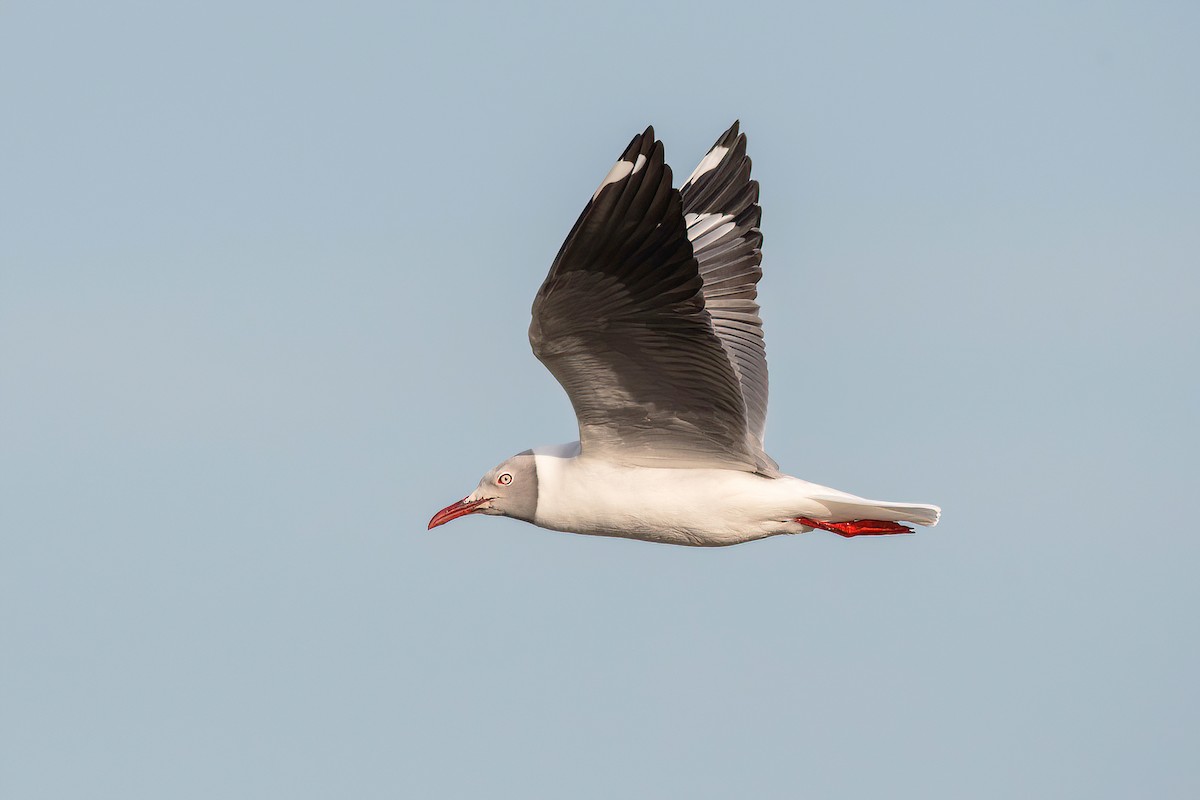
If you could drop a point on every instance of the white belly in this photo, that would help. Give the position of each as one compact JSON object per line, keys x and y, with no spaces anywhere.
{"x":704,"y":507}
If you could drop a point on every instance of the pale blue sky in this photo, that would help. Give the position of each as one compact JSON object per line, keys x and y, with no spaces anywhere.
{"x":265,"y":274}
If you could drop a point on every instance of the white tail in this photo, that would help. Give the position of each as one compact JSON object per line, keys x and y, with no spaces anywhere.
{"x":850,"y":508}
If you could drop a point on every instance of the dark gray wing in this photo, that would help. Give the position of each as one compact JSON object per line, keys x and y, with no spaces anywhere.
{"x":720,"y":205}
{"x":620,"y":322}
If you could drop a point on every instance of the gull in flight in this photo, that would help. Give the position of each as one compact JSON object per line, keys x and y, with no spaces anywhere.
{"x":649,"y":320}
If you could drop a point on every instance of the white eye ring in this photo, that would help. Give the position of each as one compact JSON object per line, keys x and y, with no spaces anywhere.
{"x":504,"y":480}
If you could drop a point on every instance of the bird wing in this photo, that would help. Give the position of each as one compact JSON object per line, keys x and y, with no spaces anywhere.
{"x":720,"y":207}
{"x":620,"y":322}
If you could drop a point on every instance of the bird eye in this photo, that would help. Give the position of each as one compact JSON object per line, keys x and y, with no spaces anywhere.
{"x":504,"y":480}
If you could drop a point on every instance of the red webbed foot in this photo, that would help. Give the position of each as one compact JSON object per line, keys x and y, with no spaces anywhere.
{"x":859,"y":527}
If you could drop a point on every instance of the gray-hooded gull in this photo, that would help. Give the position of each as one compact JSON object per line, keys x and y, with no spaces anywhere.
{"x":649,"y":320}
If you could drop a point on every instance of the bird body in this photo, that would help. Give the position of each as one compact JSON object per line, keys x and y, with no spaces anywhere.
{"x":649,"y":320}
{"x":699,"y":507}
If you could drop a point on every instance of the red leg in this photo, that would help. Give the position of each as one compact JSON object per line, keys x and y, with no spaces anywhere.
{"x":859,"y":527}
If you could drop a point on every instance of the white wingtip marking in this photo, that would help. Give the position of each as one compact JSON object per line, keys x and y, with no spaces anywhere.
{"x":708,"y":163}
{"x":641,"y":162}
{"x":713,"y":235}
{"x":620,"y":170}
{"x":700,"y":224}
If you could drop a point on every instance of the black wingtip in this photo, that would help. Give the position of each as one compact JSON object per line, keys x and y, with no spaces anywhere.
{"x":640,"y":144}
{"x":730,"y":136}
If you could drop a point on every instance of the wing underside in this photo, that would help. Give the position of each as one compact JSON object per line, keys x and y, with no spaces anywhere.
{"x":621,"y":322}
{"x":720,"y":204}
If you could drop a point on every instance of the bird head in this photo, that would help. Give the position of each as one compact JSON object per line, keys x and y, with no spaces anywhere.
{"x":508,"y":490}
